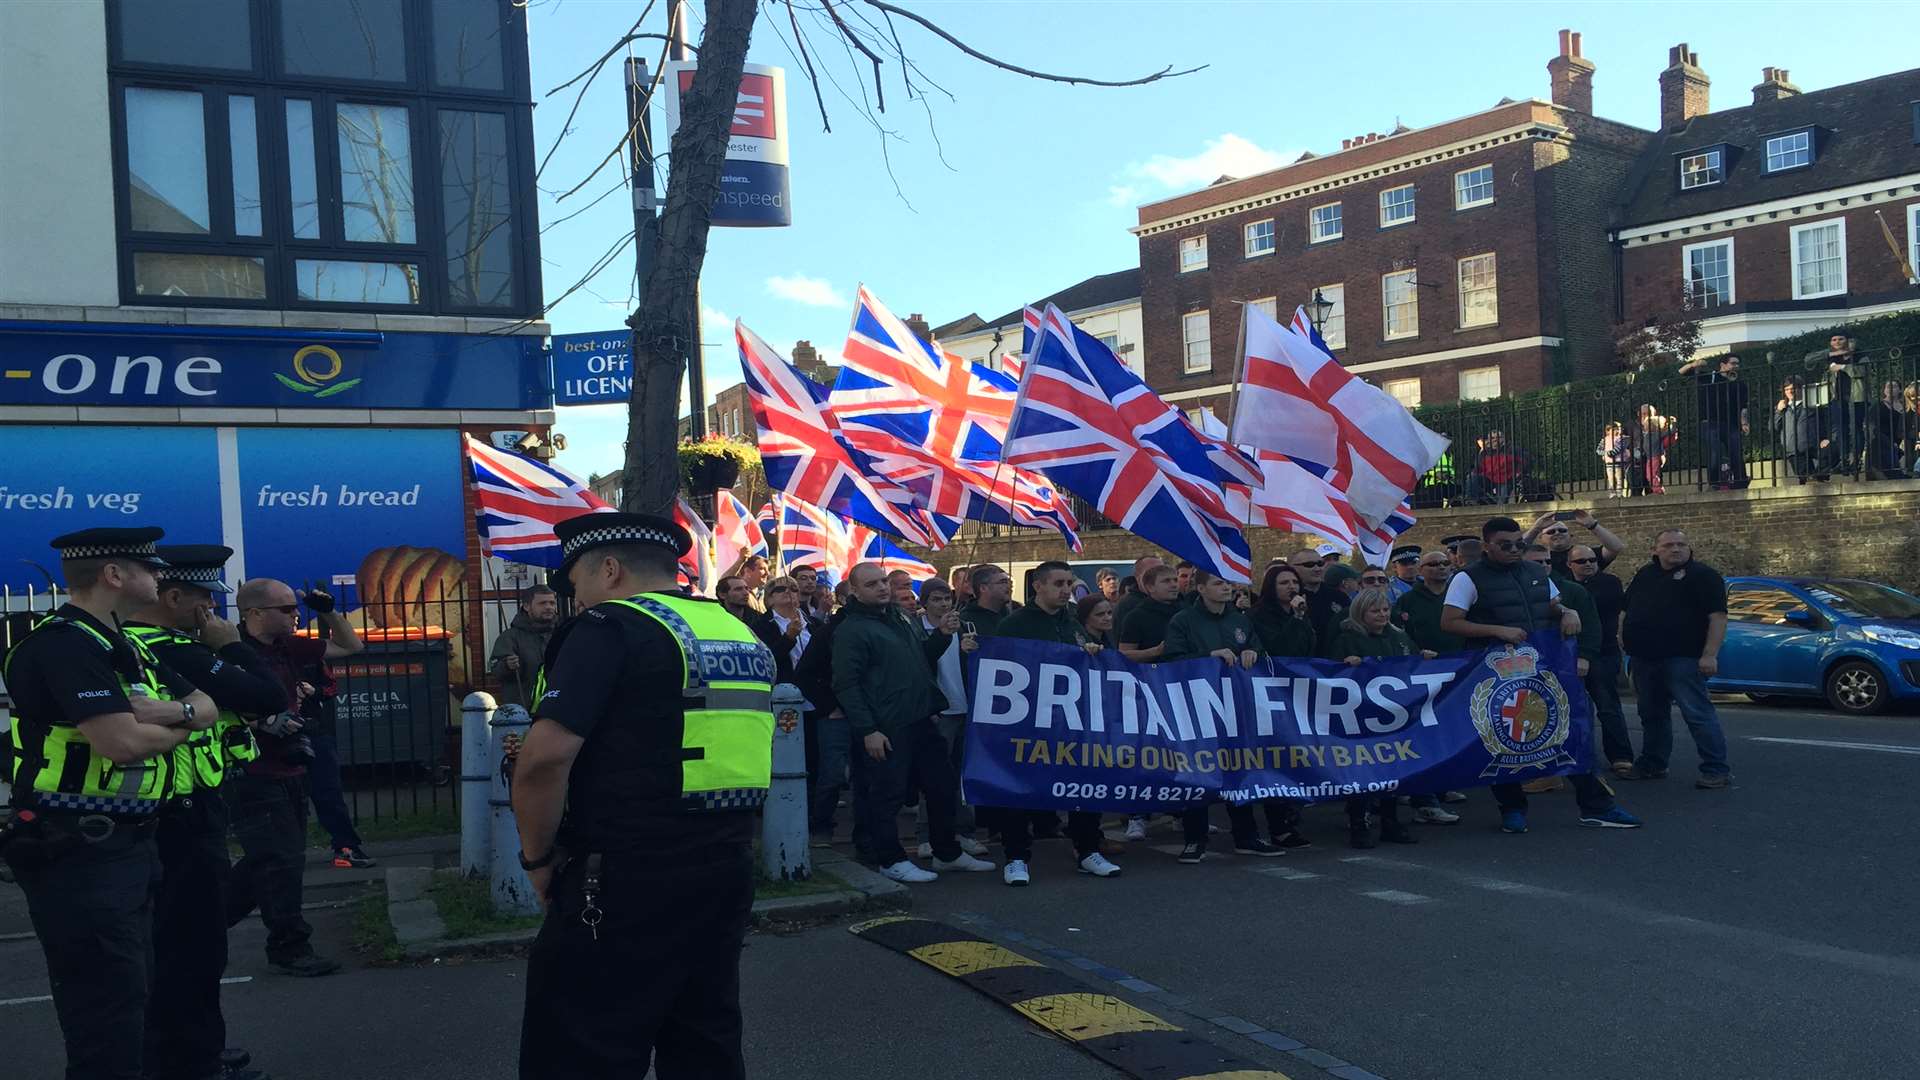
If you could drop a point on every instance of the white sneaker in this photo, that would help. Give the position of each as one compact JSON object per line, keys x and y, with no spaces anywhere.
{"x":1015,"y":872}
{"x":1136,"y":829}
{"x":1097,"y":865}
{"x":1434,"y":815}
{"x":969,"y":845}
{"x":964,"y":862}
{"x":905,"y":872}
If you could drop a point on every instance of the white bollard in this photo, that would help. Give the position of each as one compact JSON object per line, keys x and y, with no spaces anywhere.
{"x":476,"y":841}
{"x":512,"y":891}
{"x":783,"y":822}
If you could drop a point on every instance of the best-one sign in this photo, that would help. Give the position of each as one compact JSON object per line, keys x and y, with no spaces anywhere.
{"x":592,"y":368}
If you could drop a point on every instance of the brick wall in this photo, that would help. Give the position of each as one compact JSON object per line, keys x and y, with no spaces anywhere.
{"x":1836,"y":530}
{"x":1652,"y":275}
{"x":1581,"y":183}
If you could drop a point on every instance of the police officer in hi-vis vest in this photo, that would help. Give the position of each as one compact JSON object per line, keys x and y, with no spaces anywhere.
{"x":635,"y":792}
{"x":96,"y":722}
{"x":186,"y":1033}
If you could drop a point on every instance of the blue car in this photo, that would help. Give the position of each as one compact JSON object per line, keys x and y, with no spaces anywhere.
{"x":1854,"y":643}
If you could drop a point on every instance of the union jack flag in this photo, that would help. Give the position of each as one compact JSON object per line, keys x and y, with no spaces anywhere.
{"x":1092,"y":426}
{"x":810,"y":536}
{"x":933,"y":423}
{"x":1376,"y":541}
{"x":520,"y":501}
{"x":736,"y":534}
{"x":696,"y":566}
{"x":805,"y":455}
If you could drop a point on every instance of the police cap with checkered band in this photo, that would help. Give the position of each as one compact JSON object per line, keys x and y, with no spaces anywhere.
{"x":134,"y":544}
{"x":581,"y":534}
{"x":199,"y":565}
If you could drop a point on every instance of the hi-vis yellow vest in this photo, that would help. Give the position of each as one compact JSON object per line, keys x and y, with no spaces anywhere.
{"x":202,"y":761}
{"x":727,"y":689}
{"x":55,"y":769}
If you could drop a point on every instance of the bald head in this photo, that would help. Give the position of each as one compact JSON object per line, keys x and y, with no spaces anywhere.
{"x":268,"y":609}
{"x":867,"y":584}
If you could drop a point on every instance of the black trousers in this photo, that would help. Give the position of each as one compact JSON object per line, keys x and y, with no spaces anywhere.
{"x":661,"y":982}
{"x":92,"y":908}
{"x":1016,"y":832}
{"x":917,"y":765}
{"x":270,"y":821}
{"x":185,"y":1029}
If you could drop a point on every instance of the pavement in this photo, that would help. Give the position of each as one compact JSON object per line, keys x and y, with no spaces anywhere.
{"x":1764,"y":931}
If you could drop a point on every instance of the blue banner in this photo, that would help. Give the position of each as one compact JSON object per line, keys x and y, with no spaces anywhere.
{"x":229,"y":367}
{"x":592,"y":368}
{"x":1053,"y":728}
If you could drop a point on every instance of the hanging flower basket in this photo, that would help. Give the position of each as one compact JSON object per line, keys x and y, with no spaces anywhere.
{"x":713,"y":463}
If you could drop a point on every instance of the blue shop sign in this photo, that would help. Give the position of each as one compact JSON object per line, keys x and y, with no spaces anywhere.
{"x":592,"y":368}
{"x":234,"y":367}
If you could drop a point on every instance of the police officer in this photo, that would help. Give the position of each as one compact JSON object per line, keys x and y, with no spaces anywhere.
{"x":635,"y":793}
{"x":96,"y":721}
{"x":186,"y":1032}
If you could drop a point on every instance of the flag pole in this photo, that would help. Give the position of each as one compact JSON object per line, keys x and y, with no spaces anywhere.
{"x":1239,"y":375}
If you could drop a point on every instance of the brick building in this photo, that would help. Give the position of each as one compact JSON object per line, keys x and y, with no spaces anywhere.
{"x":1105,"y":305}
{"x":1768,"y":218}
{"x":731,"y":414}
{"x":1464,"y":259}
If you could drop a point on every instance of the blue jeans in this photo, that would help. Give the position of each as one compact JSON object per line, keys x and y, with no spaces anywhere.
{"x":1662,"y":684}
{"x":329,"y":798}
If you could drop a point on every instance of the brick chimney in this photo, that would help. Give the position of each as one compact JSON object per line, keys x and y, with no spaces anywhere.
{"x":1683,"y":88}
{"x":1774,"y":86}
{"x":807,"y":359}
{"x":917,"y":323}
{"x":1571,"y":75}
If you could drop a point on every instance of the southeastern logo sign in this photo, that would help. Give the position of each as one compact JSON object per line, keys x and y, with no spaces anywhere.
{"x":313,"y":379}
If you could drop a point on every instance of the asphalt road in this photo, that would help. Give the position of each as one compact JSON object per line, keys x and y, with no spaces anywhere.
{"x":1764,"y":931}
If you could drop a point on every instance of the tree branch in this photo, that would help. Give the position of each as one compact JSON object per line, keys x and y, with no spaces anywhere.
{"x":879,"y":90}
{"x":1164,"y":73}
{"x":812,"y":79}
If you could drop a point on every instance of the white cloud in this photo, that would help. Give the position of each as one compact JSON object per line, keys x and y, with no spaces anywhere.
{"x":801,"y":289}
{"x":1228,"y":155}
{"x":712,"y":317}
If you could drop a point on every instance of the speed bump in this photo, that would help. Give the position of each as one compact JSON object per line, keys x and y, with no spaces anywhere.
{"x":1132,"y":1040}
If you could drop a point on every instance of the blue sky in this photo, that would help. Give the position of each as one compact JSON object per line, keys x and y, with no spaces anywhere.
{"x":1031,"y":186}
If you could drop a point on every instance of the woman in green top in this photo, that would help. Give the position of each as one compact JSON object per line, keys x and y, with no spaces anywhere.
{"x":1280,"y":614}
{"x":1368,"y":631}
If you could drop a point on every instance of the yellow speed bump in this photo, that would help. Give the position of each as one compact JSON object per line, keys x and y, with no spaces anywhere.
{"x":1088,"y":1016}
{"x":966,"y":957}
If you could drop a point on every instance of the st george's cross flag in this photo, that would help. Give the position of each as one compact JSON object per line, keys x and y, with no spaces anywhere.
{"x":1296,"y":399}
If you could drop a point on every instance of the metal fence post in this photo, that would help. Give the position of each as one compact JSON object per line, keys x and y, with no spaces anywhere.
{"x":512,"y":891}
{"x":476,"y":844}
{"x":783,"y":823}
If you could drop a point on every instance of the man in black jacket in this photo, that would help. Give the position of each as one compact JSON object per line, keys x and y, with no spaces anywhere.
{"x":882,"y":675}
{"x":1676,"y":620}
{"x":828,"y":769}
{"x":1603,"y":671}
{"x":186,"y":1033}
{"x":1505,"y":597}
{"x":1050,"y":618}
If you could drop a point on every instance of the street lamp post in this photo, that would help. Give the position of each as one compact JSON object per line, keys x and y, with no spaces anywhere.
{"x":1319,"y":310}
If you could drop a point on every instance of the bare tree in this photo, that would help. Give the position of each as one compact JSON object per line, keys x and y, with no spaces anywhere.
{"x":663,"y":324}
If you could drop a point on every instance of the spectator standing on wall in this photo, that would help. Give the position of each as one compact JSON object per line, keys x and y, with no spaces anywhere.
{"x":1500,"y":475}
{"x":1722,"y":400}
{"x":1910,"y":429}
{"x":1616,"y":456}
{"x":1796,"y":431}
{"x":1848,"y":394}
{"x":1651,"y":437}
{"x":1883,"y":445}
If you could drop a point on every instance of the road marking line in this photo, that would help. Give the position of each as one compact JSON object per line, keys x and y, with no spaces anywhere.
{"x":1395,"y":896}
{"x":1515,"y":887}
{"x":1285,"y":873}
{"x":1381,"y":860}
{"x":1878,"y":748}
{"x":228,"y":981}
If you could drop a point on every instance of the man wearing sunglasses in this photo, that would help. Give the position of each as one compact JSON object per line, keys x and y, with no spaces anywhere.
{"x":268,"y":800}
{"x":1557,"y":533}
{"x":1603,"y":672}
{"x":1505,"y":598}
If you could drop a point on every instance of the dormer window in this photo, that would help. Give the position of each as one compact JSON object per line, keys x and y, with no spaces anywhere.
{"x":1703,"y":169}
{"x":1790,"y":151}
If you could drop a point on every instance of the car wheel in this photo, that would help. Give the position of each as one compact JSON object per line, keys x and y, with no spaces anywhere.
{"x":1857,"y":687}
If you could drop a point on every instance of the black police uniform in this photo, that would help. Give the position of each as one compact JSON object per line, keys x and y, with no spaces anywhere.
{"x":186,"y":1031}
{"x":88,"y":871}
{"x":656,"y":977}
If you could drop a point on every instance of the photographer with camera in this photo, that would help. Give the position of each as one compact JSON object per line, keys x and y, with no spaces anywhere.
{"x":268,"y":801}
